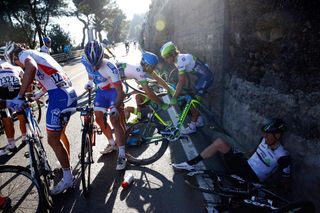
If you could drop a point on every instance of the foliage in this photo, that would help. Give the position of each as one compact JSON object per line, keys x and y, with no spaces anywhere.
{"x":59,"y":38}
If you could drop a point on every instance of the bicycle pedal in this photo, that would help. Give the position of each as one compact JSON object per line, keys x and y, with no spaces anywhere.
{"x":26,"y":155}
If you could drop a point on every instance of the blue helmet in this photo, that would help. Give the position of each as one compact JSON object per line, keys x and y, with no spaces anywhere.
{"x":150,"y":59}
{"x":46,"y":39}
{"x":93,"y":52}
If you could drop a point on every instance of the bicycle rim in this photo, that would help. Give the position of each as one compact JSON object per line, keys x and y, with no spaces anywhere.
{"x":149,"y":143}
{"x":22,"y":190}
{"x":86,"y":160}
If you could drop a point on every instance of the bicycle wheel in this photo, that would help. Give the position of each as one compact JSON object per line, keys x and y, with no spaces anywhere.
{"x":300,"y":206}
{"x":22,"y":191}
{"x":41,"y":173}
{"x":203,"y":181}
{"x":144,"y":143}
{"x":86,"y":160}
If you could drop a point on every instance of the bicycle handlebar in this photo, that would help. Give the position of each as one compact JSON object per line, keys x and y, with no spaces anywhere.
{"x":80,"y":109}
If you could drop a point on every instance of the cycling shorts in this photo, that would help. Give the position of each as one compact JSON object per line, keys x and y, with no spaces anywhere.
{"x":59,"y":99}
{"x":239,"y":165}
{"x":105,"y":98}
{"x":6,"y":93}
{"x":203,"y":82}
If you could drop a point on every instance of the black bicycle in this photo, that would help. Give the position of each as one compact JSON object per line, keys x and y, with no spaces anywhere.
{"x":239,"y":195}
{"x":88,"y":139}
{"x":27,"y":188}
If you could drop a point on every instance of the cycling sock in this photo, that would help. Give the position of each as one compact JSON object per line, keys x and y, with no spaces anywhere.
{"x":67,"y":175}
{"x":11,"y":141}
{"x":112,"y":142}
{"x":122,"y":152}
{"x":195,"y":160}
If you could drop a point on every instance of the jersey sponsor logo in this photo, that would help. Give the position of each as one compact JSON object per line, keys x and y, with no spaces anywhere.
{"x":183,"y":58}
{"x":112,"y":67}
{"x":55,"y":116}
{"x":40,"y":75}
{"x":138,"y":69}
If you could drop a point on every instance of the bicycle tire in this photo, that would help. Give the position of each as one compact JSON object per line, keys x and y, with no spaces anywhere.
{"x":23,"y":191}
{"x":40,"y":174}
{"x":147,"y":150}
{"x":299,"y":207}
{"x":86,"y":160}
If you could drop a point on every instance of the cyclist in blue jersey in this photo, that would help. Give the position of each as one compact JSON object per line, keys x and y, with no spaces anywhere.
{"x":188,"y":64}
{"x":109,"y":95}
{"x":268,"y":156}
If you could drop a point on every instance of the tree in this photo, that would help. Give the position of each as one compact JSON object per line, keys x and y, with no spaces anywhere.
{"x":59,"y":38}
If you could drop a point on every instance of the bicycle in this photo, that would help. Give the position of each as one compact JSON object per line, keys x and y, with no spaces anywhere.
{"x":235,"y":192}
{"x":88,"y":139}
{"x":27,"y":188}
{"x":153,"y":135}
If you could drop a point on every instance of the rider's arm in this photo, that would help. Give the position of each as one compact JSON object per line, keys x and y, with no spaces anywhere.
{"x":151,"y":94}
{"x":182,"y":80}
{"x":29,"y":73}
{"x":162,"y":82}
{"x":120,"y":95}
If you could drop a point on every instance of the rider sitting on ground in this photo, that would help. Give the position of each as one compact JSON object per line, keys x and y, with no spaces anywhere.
{"x":140,"y":73}
{"x":188,"y":64}
{"x":269,"y":156}
{"x":110,"y":95}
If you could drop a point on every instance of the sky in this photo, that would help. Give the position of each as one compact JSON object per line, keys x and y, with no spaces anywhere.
{"x":129,"y":7}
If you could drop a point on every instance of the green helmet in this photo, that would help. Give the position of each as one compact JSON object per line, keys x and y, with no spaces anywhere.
{"x":167,"y":49}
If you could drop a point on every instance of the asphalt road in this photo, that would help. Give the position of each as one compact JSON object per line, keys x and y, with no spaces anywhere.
{"x":157,"y":187}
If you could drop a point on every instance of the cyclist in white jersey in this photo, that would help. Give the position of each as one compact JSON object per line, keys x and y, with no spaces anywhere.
{"x":269,"y":155}
{"x":140,"y":73}
{"x":10,"y":82}
{"x":109,"y":95}
{"x":188,"y":64}
{"x":46,"y":47}
{"x":50,"y":75}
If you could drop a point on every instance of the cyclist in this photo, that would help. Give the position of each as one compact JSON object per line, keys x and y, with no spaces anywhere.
{"x":50,"y":75}
{"x":140,"y":73}
{"x":127,"y":45}
{"x":188,"y":64}
{"x":46,"y":48}
{"x":267,"y":157}
{"x":110,"y":95}
{"x":10,"y":82}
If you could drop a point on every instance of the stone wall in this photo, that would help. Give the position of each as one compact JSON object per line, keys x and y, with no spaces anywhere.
{"x":265,"y":60}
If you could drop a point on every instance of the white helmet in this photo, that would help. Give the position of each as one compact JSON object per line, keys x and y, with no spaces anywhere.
{"x":11,"y":48}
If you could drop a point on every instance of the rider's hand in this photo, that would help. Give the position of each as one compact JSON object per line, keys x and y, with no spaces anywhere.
{"x":173,"y":101}
{"x":37,"y":95}
{"x":16,"y":104}
{"x":113,"y":111}
{"x":88,"y":85}
{"x":164,"y":106}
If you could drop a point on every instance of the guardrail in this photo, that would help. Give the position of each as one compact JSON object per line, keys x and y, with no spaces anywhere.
{"x":61,"y":57}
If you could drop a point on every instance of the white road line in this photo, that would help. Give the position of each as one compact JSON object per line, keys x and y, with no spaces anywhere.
{"x":77,"y":75}
{"x":190,"y":151}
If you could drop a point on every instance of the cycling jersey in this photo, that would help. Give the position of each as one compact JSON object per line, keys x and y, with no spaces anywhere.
{"x":49,"y":73}
{"x":10,"y":76}
{"x":45,"y":49}
{"x":129,"y":71}
{"x":187,"y":63}
{"x":265,"y":160}
{"x":106,"y":77}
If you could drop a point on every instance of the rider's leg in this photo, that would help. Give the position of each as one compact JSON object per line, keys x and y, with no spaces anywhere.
{"x":65,"y":141}
{"x":218,"y":145}
{"x":128,"y":111}
{"x":9,"y":130}
{"x":58,"y":148}
{"x":105,"y":128}
{"x":22,"y":125}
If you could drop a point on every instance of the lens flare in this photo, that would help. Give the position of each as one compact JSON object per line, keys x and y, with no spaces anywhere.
{"x":160,"y":25}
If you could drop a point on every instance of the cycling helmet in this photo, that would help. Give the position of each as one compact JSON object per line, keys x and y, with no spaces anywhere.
{"x":46,"y":39}
{"x":10,"y":50}
{"x":274,"y":125}
{"x":93,"y":52}
{"x":149,"y":59}
{"x":167,"y":49}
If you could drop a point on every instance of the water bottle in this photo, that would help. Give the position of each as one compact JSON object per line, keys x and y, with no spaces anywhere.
{"x":127,"y":180}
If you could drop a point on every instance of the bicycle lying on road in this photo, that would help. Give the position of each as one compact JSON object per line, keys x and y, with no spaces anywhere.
{"x":88,"y":138}
{"x":152,"y":136}
{"x":239,"y":195}
{"x":27,"y":189}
